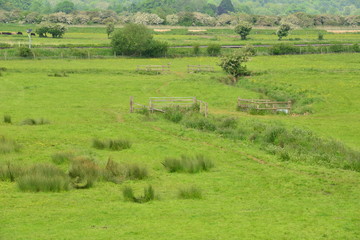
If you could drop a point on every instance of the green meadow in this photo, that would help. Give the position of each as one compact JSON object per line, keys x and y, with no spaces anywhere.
{"x":248,"y":194}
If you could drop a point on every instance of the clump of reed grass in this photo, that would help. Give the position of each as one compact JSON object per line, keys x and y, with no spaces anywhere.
{"x":191,"y":192}
{"x":149,"y":195}
{"x":7,"y":119}
{"x":62,"y":157}
{"x":117,"y":173}
{"x":188,"y":164}
{"x":10,"y":171}
{"x":31,"y":121}
{"x":43,"y":178}
{"x":111,"y":144}
{"x":7,"y":145}
{"x":83,"y":172}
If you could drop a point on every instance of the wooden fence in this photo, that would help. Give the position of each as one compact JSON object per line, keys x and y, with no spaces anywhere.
{"x":264,"y":104}
{"x":154,"y":68}
{"x":199,"y":68}
{"x":160,"y":104}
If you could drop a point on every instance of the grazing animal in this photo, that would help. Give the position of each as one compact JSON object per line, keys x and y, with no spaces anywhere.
{"x":33,"y":34}
{"x":19,"y":33}
{"x":6,"y":33}
{"x":13,"y":33}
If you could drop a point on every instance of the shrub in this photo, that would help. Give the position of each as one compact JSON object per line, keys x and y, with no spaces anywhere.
{"x":117,"y":173}
{"x":234,"y":65}
{"x":213,"y":50}
{"x":31,"y":121}
{"x":24,"y":52}
{"x":192,"y":192}
{"x":199,"y":122}
{"x":83,"y":172}
{"x":188,"y":164}
{"x":111,"y":144}
{"x":282,"y":49}
{"x":62,"y":157}
{"x":320,"y":36}
{"x":283,"y":31}
{"x":196,"y":49}
{"x":149,"y":195}
{"x":43,"y":178}
{"x":9,"y":172}
{"x":243,"y":29}
{"x":356,"y":47}
{"x":8,"y":145}
{"x":156,"y":49}
{"x":336,"y":48}
{"x":7,"y":119}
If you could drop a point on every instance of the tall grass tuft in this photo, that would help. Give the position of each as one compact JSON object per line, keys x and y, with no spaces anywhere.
{"x":188,"y":164}
{"x":117,"y":173}
{"x":192,"y":192}
{"x":62,"y":157}
{"x":111,"y":144}
{"x":43,"y":178}
{"x":7,"y":119}
{"x":8,"y":145}
{"x":149,"y":195}
{"x":10,"y":172}
{"x":31,"y":121}
{"x":83,"y":172}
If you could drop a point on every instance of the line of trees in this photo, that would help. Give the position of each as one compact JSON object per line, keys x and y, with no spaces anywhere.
{"x":299,"y":19}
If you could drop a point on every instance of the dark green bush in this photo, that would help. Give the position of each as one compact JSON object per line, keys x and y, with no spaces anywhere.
{"x":196,"y":49}
{"x":213,"y":50}
{"x":337,"y":48}
{"x":43,"y":178}
{"x":283,"y":49}
{"x":24,"y":52}
{"x":7,"y":119}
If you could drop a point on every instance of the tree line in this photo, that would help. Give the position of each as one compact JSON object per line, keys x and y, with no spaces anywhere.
{"x":298,"y":19}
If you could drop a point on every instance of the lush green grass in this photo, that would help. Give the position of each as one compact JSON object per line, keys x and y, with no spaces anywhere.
{"x":249,"y":194}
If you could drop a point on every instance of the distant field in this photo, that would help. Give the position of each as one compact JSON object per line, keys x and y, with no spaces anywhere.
{"x":95,"y":35}
{"x":249,"y":194}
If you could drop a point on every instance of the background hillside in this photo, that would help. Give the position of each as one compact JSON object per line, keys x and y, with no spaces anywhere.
{"x":164,"y":7}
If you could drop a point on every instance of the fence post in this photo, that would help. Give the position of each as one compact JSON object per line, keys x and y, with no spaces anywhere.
{"x":131,"y":104}
{"x":88,"y":52}
{"x":289,"y":106}
{"x":151,"y":106}
{"x":206,"y":110}
{"x":194,"y":99}
{"x":5,"y":55}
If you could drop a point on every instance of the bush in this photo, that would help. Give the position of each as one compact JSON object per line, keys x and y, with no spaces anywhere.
{"x":10,"y":172}
{"x":356,"y":47}
{"x":43,"y":178}
{"x":7,"y":119}
{"x":213,"y":50}
{"x":83,"y":172}
{"x":149,"y":195}
{"x":190,"y":193}
{"x":337,"y":48}
{"x":188,"y":164}
{"x":25,"y":52}
{"x":234,"y":65}
{"x":112,"y":144}
{"x":136,"y":40}
{"x":282,"y":49}
{"x":283,"y":31}
{"x":196,"y":49}
{"x":320,"y":36}
{"x":8,"y":145}
{"x":62,"y":157}
{"x":243,"y":29}
{"x":31,"y":121}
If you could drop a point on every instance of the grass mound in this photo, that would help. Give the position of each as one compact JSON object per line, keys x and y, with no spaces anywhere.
{"x":8,"y":145}
{"x":117,"y":173}
{"x":83,"y":172}
{"x":149,"y":195}
{"x":188,"y":164}
{"x":10,"y":172}
{"x":62,"y":157}
{"x":43,"y":178}
{"x":111,"y":144}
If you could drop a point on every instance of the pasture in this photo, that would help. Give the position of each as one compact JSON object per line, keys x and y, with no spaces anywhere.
{"x":248,"y":194}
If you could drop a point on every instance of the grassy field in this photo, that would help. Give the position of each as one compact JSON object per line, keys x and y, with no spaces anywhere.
{"x":249,"y":194}
{"x":96,"y":35}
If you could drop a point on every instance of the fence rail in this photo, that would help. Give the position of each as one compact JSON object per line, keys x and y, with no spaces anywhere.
{"x":160,"y":104}
{"x":154,"y":68}
{"x":264,"y":104}
{"x":199,"y":68}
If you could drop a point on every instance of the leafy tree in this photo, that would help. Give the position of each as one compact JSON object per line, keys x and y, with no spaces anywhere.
{"x":56,"y":30}
{"x":243,"y":29}
{"x":110,"y":28}
{"x":225,"y":6}
{"x":136,"y":40}
{"x":65,"y":6}
{"x":234,"y":65}
{"x":283,"y":31}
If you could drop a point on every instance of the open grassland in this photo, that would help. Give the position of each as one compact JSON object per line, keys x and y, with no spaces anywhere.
{"x":96,"y":36}
{"x":247,"y":194}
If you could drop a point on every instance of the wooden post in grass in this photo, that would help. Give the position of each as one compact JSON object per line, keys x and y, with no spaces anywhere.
{"x":131,"y":104}
{"x":88,"y":52}
{"x":206,"y":110}
{"x":5,"y":55}
{"x":195,"y":101}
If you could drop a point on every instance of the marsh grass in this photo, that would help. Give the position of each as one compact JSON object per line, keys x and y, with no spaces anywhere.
{"x":43,"y":178}
{"x":31,"y":121}
{"x":7,"y":145}
{"x":149,"y":195}
{"x":117,"y":173}
{"x":7,"y":119}
{"x":191,"y":192}
{"x":111,"y":144}
{"x":188,"y":164}
{"x":10,"y":172}
{"x":83,"y":172}
{"x":62,"y":157}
